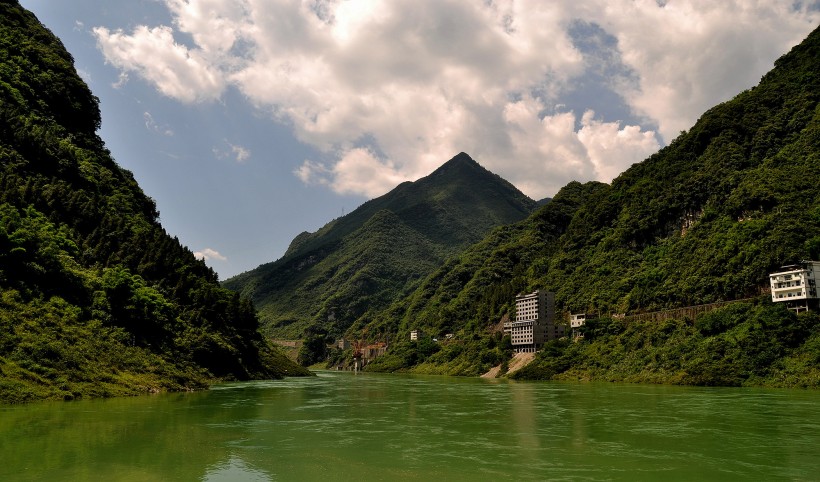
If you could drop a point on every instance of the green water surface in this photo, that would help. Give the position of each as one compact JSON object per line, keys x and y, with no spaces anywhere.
{"x":341,"y":426}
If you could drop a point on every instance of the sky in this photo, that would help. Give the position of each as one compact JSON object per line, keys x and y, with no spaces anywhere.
{"x":250,"y":121}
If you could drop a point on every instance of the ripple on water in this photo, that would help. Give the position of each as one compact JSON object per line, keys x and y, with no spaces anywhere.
{"x":382,"y":427}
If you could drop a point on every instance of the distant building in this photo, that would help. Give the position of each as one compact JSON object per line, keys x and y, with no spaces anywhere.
{"x":534,"y":321}
{"x":796,"y":285}
{"x":343,"y":344}
{"x":576,"y":321}
{"x":416,"y":334}
{"x":374,"y":350}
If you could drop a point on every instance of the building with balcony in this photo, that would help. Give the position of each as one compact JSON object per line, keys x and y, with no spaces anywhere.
{"x":534,"y":321}
{"x":796,"y":285}
{"x":576,"y":321}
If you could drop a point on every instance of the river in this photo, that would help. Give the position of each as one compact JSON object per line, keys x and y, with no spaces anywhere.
{"x":344,"y":426}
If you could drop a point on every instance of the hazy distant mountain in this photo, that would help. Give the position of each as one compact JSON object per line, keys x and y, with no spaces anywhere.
{"x":359,"y":263}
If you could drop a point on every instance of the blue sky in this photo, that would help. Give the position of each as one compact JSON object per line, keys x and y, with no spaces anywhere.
{"x":250,"y":121}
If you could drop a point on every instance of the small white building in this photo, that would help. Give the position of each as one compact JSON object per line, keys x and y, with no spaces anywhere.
{"x":796,"y":285}
{"x":576,"y":321}
{"x":416,"y":334}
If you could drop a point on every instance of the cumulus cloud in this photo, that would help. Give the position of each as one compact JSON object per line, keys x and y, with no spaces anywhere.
{"x":611,"y":147}
{"x":178,"y":72}
{"x":388,"y":90}
{"x":209,"y":254}
{"x":698,"y":53}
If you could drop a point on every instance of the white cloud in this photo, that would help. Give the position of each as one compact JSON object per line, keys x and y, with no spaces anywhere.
{"x":122,"y":79}
{"x":612,"y":148}
{"x":85,"y":75}
{"x":238,"y":153}
{"x":312,"y":172}
{"x":550,"y":151}
{"x":209,"y":254}
{"x":152,"y":125}
{"x":388,"y":90}
{"x":699,"y":53}
{"x":241,"y":154}
{"x":178,"y":72}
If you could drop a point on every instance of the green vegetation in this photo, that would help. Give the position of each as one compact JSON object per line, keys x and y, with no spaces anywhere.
{"x":357,"y":265}
{"x":313,"y":350}
{"x":741,"y":344}
{"x":96,"y":299}
{"x":703,"y":220}
{"x":471,"y":293}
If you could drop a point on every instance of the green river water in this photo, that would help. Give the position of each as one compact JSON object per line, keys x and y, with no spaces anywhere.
{"x":344,"y":426}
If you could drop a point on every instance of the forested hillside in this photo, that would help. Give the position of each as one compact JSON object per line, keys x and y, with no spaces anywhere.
{"x":96,"y":299}
{"x":474,"y":290}
{"x":703,"y":220}
{"x":361,"y":262}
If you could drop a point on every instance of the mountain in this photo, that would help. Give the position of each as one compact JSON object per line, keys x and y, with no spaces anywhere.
{"x":359,"y":263}
{"x":96,"y":299}
{"x":703,"y":220}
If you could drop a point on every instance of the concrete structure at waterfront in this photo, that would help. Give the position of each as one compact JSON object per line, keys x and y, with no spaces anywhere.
{"x":796,"y":285}
{"x":374,"y":350}
{"x":534,"y":321}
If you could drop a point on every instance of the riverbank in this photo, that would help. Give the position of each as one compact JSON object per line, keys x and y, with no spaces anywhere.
{"x":745,"y":344}
{"x":517,"y":362}
{"x":145,"y":373}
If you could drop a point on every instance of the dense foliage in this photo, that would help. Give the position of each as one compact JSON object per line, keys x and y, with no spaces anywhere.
{"x":703,"y":220}
{"x":360,"y":263}
{"x":747,"y":343}
{"x":472,"y":292}
{"x":95,"y":297}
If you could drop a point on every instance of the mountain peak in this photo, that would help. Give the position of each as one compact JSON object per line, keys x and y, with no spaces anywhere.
{"x":382,"y":248}
{"x":460,"y":162}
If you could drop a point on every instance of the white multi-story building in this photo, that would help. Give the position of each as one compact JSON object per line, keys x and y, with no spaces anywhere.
{"x":796,"y":285}
{"x":534,"y":321}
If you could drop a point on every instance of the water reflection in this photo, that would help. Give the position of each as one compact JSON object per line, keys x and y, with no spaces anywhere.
{"x":525,"y":421}
{"x":391,"y":427}
{"x":235,"y":469}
